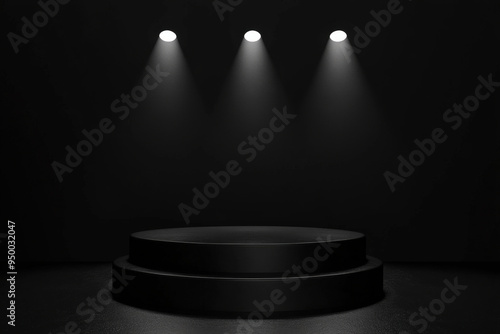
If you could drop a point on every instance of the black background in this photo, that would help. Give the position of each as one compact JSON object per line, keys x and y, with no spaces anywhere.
{"x":65,"y":78}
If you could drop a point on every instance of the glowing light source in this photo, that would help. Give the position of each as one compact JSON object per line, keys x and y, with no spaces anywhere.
{"x":252,"y":36}
{"x":168,"y":36}
{"x":338,"y":36}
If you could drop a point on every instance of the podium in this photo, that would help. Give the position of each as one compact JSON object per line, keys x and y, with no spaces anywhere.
{"x":237,"y":270}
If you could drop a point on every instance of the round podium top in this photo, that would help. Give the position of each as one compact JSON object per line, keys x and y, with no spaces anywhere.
{"x":247,"y":235}
{"x":248,"y":251}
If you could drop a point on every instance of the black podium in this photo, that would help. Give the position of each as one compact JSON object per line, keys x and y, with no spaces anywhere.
{"x":277,"y":271}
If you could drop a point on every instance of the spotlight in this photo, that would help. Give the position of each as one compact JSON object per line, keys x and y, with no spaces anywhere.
{"x":338,"y":36}
{"x":168,"y":36}
{"x":252,"y":36}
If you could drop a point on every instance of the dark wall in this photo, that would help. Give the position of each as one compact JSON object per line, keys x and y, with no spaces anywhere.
{"x":65,"y":78}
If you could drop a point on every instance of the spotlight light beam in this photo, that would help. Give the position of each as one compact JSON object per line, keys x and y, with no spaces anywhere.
{"x":252,"y":84}
{"x":340,"y":106}
{"x":249,"y":94}
{"x":169,"y":119}
{"x":344,"y":129}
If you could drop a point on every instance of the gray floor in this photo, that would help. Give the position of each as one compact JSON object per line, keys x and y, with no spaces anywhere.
{"x":48,"y":298}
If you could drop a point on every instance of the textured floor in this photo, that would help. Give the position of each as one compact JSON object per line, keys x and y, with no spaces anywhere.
{"x":48,"y":298}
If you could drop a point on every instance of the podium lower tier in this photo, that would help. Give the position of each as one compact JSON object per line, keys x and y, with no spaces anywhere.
{"x":289,"y":294}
